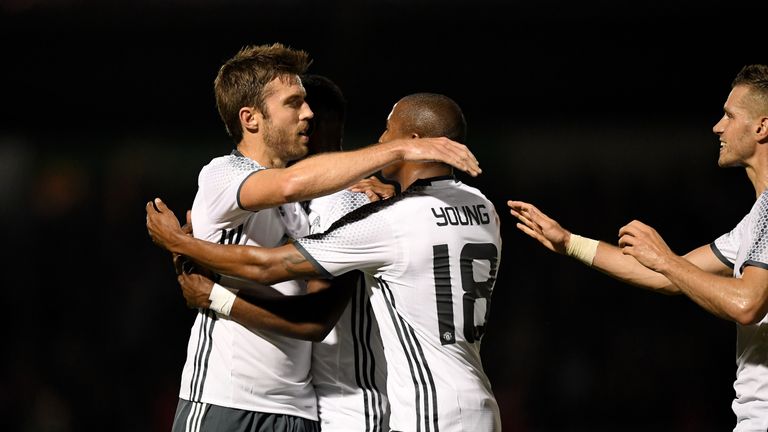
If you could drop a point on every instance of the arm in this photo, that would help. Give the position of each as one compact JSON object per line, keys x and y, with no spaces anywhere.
{"x":743,"y":300}
{"x":608,"y":258}
{"x":329,"y":172}
{"x":263,"y":265}
{"x":307,"y":317}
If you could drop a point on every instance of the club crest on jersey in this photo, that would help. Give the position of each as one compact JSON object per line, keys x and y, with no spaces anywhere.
{"x":475,"y":214}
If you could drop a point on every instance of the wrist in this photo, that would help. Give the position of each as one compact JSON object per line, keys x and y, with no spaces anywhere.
{"x":221,"y":299}
{"x":397,"y":149}
{"x":583,"y":249}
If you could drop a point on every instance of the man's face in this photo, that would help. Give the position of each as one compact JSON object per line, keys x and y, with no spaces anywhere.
{"x":736,"y":129}
{"x":286,"y":120}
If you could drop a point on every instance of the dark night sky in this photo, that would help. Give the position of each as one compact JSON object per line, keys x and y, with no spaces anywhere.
{"x":598,"y":112}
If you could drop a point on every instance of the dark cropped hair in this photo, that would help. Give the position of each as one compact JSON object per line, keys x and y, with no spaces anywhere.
{"x":242,"y":79}
{"x":433,"y":115}
{"x":324,"y":96}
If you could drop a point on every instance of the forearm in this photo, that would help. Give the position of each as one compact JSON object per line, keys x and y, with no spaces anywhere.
{"x":727,"y":297}
{"x":262,"y":265}
{"x":326,"y":173}
{"x":307,"y":317}
{"x":256,"y":317}
{"x":610,"y":260}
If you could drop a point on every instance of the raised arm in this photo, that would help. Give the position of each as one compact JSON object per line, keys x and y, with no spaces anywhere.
{"x":263,"y":265}
{"x":603,"y":256}
{"x":326,"y":173}
{"x":307,"y":317}
{"x":743,"y":300}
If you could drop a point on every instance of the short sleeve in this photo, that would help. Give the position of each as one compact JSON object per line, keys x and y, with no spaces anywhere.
{"x":366,"y":244}
{"x":726,"y":247}
{"x":757,"y":252}
{"x":220,"y":182}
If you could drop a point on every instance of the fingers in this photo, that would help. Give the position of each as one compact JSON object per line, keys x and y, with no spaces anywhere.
{"x":372,"y":196}
{"x":447,"y":151}
{"x":525,"y":212}
{"x":374,"y":189}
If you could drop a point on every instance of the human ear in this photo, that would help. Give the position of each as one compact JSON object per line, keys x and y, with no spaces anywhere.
{"x":762,"y":128}
{"x":249,"y":118}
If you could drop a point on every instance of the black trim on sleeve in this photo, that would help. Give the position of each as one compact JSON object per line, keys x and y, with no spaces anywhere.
{"x":719,"y":255}
{"x":239,"y":188}
{"x":752,"y":263}
{"x":322,"y":271}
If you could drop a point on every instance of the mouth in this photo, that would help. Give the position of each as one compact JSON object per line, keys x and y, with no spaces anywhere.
{"x":308,"y":130}
{"x":722,"y":145}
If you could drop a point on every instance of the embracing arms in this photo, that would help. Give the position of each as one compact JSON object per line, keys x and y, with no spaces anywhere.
{"x":262,"y":265}
{"x":326,"y":173}
{"x":308,"y":317}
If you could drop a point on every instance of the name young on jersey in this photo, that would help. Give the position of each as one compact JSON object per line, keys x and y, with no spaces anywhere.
{"x":475,"y":214}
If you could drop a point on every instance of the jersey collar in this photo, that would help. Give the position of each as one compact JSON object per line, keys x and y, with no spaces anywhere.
{"x":432,"y":180}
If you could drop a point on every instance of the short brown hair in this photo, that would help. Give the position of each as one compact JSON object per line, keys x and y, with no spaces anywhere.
{"x":242,"y":79}
{"x":755,"y":77}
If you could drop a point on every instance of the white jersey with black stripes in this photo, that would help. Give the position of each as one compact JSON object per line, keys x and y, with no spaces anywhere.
{"x":227,"y":364}
{"x":348,"y":366}
{"x":747,"y":245}
{"x":431,"y":257}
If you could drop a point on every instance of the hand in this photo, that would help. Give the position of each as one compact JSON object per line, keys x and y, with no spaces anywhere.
{"x":540,"y":226}
{"x":163,"y":227}
{"x":441,"y":150}
{"x":196,"y":288}
{"x":646,"y":245}
{"x":374,"y":188}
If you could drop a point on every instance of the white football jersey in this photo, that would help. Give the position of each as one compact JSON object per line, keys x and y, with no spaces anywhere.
{"x":430,"y":256}
{"x":348,"y":366}
{"x":747,"y":245}
{"x":227,"y":364}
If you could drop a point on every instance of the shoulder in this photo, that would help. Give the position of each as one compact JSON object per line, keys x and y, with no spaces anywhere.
{"x":225,"y":169}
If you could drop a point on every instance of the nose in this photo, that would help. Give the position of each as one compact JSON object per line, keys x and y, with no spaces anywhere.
{"x":308,"y":114}
{"x":719,"y":126}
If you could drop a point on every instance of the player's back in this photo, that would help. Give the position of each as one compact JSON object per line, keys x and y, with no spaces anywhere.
{"x":432,"y":305}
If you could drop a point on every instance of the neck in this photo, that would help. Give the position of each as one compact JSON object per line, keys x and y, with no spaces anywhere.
{"x":258,"y":151}
{"x":410,"y":172}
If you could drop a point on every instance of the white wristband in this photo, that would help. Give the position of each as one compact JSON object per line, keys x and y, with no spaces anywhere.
{"x":221,"y":299}
{"x":582,"y":248}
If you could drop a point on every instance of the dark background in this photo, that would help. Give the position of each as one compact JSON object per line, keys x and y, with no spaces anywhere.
{"x":598,"y":112}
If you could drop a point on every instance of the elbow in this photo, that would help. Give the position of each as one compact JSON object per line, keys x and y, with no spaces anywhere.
{"x":748,"y":313}
{"x":313,"y":332}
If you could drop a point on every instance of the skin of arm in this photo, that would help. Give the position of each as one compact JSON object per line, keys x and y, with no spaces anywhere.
{"x":308,"y":317}
{"x":329,"y":172}
{"x":743,"y":300}
{"x":263,"y":265}
{"x":610,"y":259}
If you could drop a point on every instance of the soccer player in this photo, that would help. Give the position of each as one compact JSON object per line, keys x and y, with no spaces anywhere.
{"x":728,"y":277}
{"x":430,"y":256}
{"x":236,"y":378}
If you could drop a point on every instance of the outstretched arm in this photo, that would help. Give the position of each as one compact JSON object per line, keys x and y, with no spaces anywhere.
{"x":744,"y":300}
{"x":307,"y":317}
{"x":606,"y":258}
{"x":263,"y":265}
{"x":329,"y":172}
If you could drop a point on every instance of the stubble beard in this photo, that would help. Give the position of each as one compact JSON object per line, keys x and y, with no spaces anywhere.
{"x":284,"y":143}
